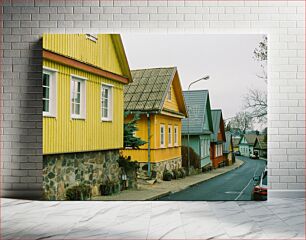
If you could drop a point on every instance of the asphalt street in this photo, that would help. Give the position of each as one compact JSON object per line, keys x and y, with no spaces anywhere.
{"x":234,"y":185}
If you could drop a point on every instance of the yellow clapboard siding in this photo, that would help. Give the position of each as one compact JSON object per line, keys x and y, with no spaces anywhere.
{"x":171,"y":104}
{"x":101,"y":53}
{"x":158,"y":154}
{"x":63,"y":134}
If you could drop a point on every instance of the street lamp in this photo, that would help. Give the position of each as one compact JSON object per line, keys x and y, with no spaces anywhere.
{"x":188,"y":154}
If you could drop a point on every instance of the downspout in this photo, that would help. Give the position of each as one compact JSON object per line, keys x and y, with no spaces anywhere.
{"x":149,"y":145}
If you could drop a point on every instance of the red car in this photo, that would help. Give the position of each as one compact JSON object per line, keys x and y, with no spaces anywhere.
{"x":260,"y":189}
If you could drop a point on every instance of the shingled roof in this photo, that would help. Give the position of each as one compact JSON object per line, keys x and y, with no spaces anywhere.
{"x":199,"y":109}
{"x":250,"y":138}
{"x":216,"y":115}
{"x":262,"y":142}
{"x":148,"y":90}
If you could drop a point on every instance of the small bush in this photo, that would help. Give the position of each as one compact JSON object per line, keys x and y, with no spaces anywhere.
{"x":183,"y":172}
{"x":167,"y":176}
{"x":195,"y":160}
{"x":77,"y":193}
{"x":176,"y":174}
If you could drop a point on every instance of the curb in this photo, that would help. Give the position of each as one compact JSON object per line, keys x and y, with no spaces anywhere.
{"x":194,"y":184}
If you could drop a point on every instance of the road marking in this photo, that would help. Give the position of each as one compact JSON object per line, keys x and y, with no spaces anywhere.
{"x":247,"y":184}
{"x":232,"y":192}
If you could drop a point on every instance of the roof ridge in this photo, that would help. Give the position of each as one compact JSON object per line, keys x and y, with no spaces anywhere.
{"x":153,"y":68}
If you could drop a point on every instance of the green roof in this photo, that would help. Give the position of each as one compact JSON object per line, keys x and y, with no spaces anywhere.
{"x":148,"y":90}
{"x":198,"y":104}
{"x":216,"y":115}
{"x":250,"y":138}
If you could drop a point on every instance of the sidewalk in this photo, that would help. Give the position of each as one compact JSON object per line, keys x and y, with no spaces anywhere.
{"x":157,"y":190}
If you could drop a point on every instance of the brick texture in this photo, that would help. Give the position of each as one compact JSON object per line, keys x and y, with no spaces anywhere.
{"x":24,"y":21}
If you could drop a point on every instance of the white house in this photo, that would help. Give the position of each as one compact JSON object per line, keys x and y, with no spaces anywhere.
{"x":246,"y":144}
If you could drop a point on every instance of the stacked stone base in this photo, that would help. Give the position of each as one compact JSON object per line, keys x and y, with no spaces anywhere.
{"x":62,"y":171}
{"x":160,"y":167}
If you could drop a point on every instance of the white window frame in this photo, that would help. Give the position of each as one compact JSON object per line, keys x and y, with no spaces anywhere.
{"x":109,"y":118}
{"x":175,"y":135}
{"x":170,"y":137}
{"x":218,"y":150}
{"x":52,"y":92}
{"x":82,"y":81}
{"x":162,"y":139}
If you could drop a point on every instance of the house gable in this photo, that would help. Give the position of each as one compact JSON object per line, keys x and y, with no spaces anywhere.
{"x":177,"y":102}
{"x":105,"y":53}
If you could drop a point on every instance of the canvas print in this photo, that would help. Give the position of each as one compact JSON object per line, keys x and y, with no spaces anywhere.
{"x":161,"y":117}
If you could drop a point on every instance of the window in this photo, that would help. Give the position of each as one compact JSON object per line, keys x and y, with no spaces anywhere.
{"x":204,"y":148}
{"x":169,"y":135}
{"x":169,"y":94}
{"x":78,"y":97}
{"x":175,"y":135}
{"x":162,"y":135}
{"x":218,"y":148}
{"x":49,"y":92}
{"x":106,"y":103}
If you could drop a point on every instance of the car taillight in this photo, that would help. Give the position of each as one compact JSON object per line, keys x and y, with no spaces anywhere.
{"x":260,"y":190}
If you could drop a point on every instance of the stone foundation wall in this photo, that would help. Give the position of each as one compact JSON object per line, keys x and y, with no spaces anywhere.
{"x":160,"y":167}
{"x":62,"y":171}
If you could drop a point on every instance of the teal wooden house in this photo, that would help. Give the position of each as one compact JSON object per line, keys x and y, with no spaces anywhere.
{"x":199,"y":124}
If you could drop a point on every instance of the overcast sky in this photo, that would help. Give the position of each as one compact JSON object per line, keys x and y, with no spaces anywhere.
{"x":227,"y":59}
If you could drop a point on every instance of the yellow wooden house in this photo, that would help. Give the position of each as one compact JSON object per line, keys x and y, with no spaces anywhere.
{"x":156,"y":95}
{"x":83,"y":109}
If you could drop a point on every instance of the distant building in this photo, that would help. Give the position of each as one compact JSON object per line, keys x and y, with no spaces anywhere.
{"x":199,"y":124}
{"x":236,"y":141}
{"x":217,"y":138}
{"x":246,"y":144}
{"x":260,"y":146}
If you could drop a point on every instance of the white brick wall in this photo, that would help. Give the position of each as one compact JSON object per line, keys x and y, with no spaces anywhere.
{"x":25,"y":20}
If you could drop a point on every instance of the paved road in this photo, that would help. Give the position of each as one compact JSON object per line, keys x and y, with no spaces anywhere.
{"x":234,"y":185}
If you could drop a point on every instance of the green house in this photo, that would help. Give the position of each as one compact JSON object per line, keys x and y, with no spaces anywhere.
{"x":198,"y":124}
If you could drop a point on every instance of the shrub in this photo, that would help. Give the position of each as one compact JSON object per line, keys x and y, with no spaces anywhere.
{"x":183,"y":172}
{"x":77,"y":193}
{"x":176,"y":174}
{"x":167,"y":175}
{"x":195,"y":160}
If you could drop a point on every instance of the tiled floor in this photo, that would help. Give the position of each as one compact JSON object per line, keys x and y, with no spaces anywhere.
{"x":274,"y":219}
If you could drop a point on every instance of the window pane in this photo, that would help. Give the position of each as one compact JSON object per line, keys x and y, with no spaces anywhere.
{"x":46,"y":105}
{"x":105,"y":93}
{"x":77,"y":109}
{"x":46,"y":79}
{"x":105,"y":113}
{"x":78,"y":87}
{"x":78,"y":97}
{"x":46,"y":92}
{"x":105,"y":103}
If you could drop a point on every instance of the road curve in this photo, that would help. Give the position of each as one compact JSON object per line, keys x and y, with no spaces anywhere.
{"x":234,"y":185}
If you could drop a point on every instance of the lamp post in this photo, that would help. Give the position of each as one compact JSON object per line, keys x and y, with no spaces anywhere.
{"x":188,"y":154}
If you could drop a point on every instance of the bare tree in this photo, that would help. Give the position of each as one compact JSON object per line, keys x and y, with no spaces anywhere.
{"x":255,"y":99}
{"x":242,"y":121}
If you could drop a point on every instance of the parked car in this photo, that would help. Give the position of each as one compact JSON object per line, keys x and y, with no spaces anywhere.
{"x":260,"y":186}
{"x":254,"y":156}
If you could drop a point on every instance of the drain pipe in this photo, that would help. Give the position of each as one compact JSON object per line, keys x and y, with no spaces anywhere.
{"x":149,"y":145}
